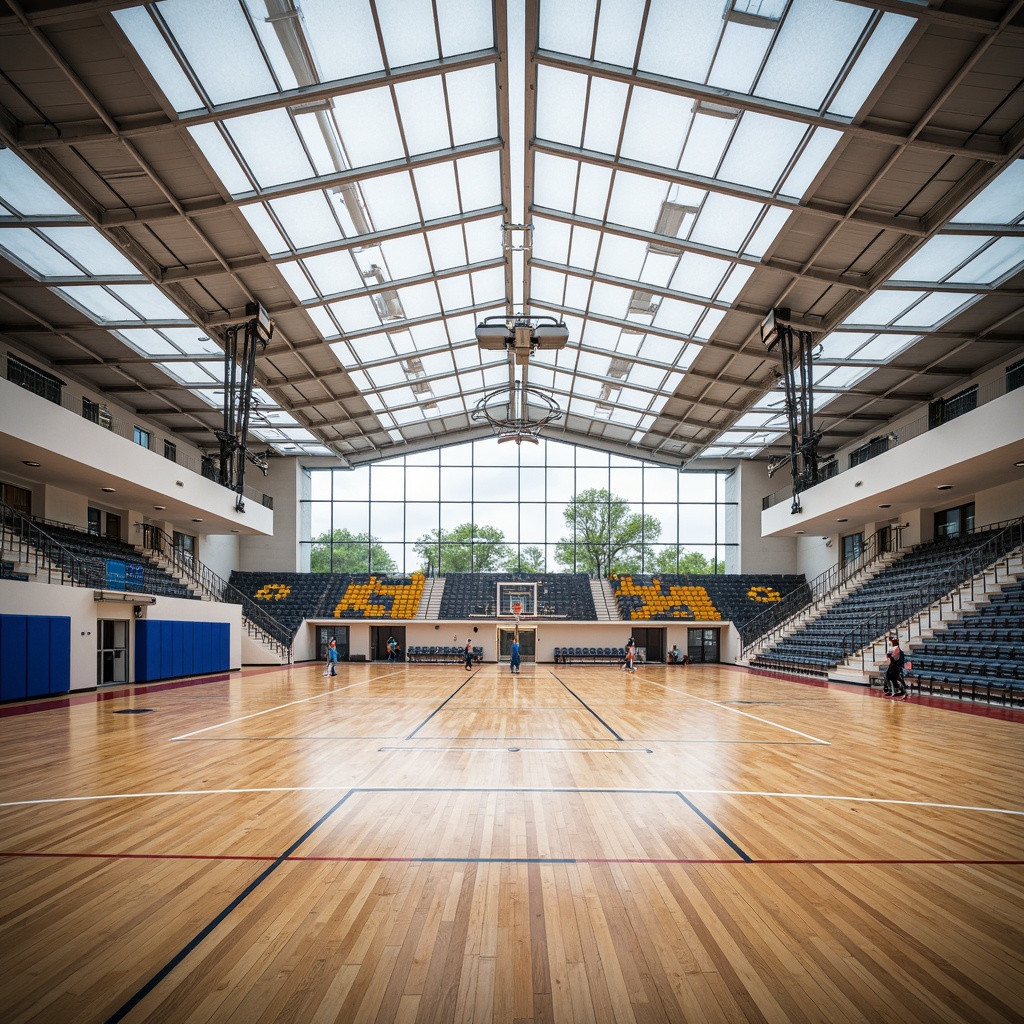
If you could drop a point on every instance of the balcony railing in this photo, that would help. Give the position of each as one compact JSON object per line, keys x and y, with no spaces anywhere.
{"x":958,"y":405}
{"x":97,"y":413}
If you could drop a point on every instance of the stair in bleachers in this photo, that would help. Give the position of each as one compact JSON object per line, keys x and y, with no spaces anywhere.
{"x":604,"y":600}
{"x":430,"y":603}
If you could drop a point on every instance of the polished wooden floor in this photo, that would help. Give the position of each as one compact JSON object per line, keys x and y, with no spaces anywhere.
{"x":415,"y":843}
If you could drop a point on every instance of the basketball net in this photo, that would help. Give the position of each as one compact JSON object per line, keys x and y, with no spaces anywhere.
{"x":517,"y":610}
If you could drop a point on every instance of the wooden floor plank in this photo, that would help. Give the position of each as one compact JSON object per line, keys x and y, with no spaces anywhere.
{"x":577,"y":845}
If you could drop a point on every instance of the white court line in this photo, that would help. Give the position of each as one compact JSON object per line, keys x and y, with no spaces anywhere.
{"x":517,"y":789}
{"x":746,"y":714}
{"x":279,"y":707}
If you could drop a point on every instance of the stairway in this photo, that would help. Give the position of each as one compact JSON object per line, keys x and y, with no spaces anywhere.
{"x":604,"y":601}
{"x":430,"y":602}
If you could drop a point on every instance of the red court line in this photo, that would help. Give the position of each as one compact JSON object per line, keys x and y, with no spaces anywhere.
{"x":98,"y":696}
{"x":812,"y":861}
{"x":997,"y":711}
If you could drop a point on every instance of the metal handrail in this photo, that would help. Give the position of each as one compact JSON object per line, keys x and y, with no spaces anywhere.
{"x":43,"y":552}
{"x":769,"y":624}
{"x":948,"y":585}
{"x":259,"y":622}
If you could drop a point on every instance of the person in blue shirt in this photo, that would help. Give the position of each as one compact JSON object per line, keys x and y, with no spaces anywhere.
{"x":392,"y":649}
{"x":332,"y":658}
{"x":468,"y":655}
{"x":514,"y":660}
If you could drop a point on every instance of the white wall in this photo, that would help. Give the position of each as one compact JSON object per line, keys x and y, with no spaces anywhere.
{"x":748,"y":484}
{"x":279,"y":552}
{"x":85,"y":611}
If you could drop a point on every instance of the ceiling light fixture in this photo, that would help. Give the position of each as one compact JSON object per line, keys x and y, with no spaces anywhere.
{"x":159,"y":508}
{"x":107,"y":490}
{"x":197,"y":520}
{"x":886,"y":505}
{"x":842,"y":520}
{"x":1019,"y":465}
{"x":944,"y":487}
{"x":35,"y":465}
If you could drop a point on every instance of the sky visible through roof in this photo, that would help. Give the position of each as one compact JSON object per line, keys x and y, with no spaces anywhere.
{"x":420,"y":155}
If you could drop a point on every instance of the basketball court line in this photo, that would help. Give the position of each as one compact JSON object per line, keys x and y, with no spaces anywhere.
{"x":836,"y":797}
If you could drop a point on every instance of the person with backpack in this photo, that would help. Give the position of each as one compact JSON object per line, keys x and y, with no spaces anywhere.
{"x":895,"y":672}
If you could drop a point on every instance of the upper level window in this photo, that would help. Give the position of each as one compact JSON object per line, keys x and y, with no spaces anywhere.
{"x":96,"y":412}
{"x":170,"y":450}
{"x":142,"y":437}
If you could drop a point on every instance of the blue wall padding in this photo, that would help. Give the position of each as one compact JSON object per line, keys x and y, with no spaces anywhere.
{"x":35,"y":655}
{"x":168,"y":650}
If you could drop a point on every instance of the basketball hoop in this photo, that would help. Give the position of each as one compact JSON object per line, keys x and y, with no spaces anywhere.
{"x":517,"y":609}
{"x":517,"y":412}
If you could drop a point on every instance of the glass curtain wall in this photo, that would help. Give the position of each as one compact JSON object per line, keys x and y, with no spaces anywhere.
{"x":482,"y":507}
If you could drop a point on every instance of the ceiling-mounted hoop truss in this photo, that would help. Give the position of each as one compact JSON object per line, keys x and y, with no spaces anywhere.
{"x":517,"y":413}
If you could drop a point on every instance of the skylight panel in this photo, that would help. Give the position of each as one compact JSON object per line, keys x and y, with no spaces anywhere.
{"x":546,"y":286}
{"x":88,"y":247}
{"x":391,"y":200}
{"x":550,"y":241}
{"x":676,"y":315}
{"x":419,"y":300}
{"x":725,"y":221}
{"x":938,"y":257}
{"x":139,"y":27}
{"x":618,"y":31}
{"x":407,"y":27}
{"x":578,"y":295}
{"x":665,"y":53}
{"x":355,"y":314}
{"x":621,"y":257}
{"x":284,"y":161}
{"x":568,"y":28}
{"x":739,"y":56}
{"x":841,"y":345}
{"x":488,"y":285}
{"x":483,"y":240}
{"x":188,"y":373}
{"x":882,"y":348}
{"x":767,"y":231}
{"x":333,"y":272}
{"x":369,"y":128}
{"x":658,"y":269}
{"x":818,"y":149}
{"x":561,"y":100}
{"x":1002,"y":257}
{"x":421,"y":105}
{"x":592,"y":190}
{"x":406,"y":257}
{"x":464,"y":26}
{"x":883,"y":307}
{"x":343,"y":36}
{"x":149,"y":301}
{"x":1000,"y":202}
{"x":297,"y":281}
{"x":699,"y":275}
{"x":706,"y":143}
{"x":554,"y":181}
{"x":97,"y":302}
{"x":217,"y":41}
{"x":266,"y":230}
{"x":739,"y":276}
{"x":472,"y":100}
{"x":36,"y":255}
{"x":934,"y":310}
{"x":761,"y":150}
{"x":307,"y":218}
{"x":876,"y":56}
{"x":708,"y":322}
{"x":221,"y":158}
{"x":323,"y":321}
{"x":655,"y":123}
{"x":817,"y":36}
{"x":147,"y":342}
{"x":636,"y":201}
{"x":25,"y":192}
{"x":479,"y":180}
{"x":447,"y":247}
{"x":604,"y":114}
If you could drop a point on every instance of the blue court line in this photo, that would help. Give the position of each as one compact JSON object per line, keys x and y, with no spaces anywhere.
{"x":124,"y":1010}
{"x":714,"y":828}
{"x":592,"y":711}
{"x":438,"y":708}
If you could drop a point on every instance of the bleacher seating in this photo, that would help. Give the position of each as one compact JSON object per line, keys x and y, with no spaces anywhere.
{"x":819,"y":646}
{"x":444,"y":654}
{"x":979,"y":656}
{"x":292,"y":597}
{"x":94,"y":551}
{"x":7,"y":572}
{"x":559,"y":595}
{"x":700,"y":597}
